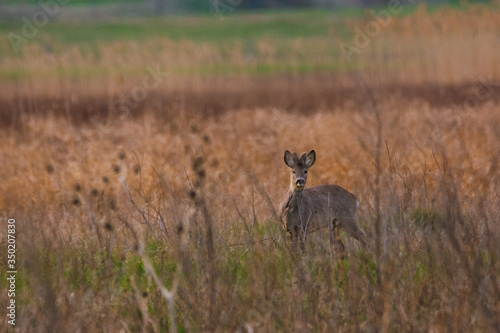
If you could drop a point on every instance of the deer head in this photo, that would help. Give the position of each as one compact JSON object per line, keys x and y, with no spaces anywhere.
{"x":298,"y":168}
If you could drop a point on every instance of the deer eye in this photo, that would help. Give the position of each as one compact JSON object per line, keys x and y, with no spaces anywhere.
{"x":293,"y":171}
{"x":305,"y":171}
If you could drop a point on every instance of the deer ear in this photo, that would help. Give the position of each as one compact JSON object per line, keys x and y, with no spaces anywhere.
{"x":290,"y":159}
{"x":310,"y":159}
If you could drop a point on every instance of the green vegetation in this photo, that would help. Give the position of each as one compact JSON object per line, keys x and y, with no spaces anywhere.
{"x":71,"y":2}
{"x":271,"y":42}
{"x":238,"y":25}
{"x":208,"y":28}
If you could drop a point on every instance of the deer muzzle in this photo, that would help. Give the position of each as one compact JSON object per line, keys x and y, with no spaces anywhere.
{"x":300,"y":182}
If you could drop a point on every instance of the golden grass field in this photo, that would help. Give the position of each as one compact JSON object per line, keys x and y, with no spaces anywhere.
{"x":181,"y":191}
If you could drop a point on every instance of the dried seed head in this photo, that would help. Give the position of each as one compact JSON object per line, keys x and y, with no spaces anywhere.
{"x":94,"y":192}
{"x":113,"y":204}
{"x":76,"y":201}
{"x":192,"y":194}
{"x":194,"y":128}
{"x":122,"y":155}
{"x":144,"y":294}
{"x":207,"y":139}
{"x":116,"y":168}
{"x":108,"y":226}
{"x":49,"y":168}
{"x":198,"y":163}
{"x":105,"y":179}
{"x":180,"y":228}
{"x":137,"y":169}
{"x":78,"y":187}
{"x":201,"y":173}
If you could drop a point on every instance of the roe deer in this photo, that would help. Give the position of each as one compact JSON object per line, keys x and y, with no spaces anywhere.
{"x":309,"y":209}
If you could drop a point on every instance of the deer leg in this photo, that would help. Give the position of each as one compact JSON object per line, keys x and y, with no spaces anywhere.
{"x":293,"y":238}
{"x":338,"y":246}
{"x":360,"y":236}
{"x":353,"y":229}
{"x":330,"y":232}
{"x":299,"y":238}
{"x":302,"y":242}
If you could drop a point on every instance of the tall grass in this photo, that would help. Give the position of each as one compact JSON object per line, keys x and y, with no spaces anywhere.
{"x":194,"y":195}
{"x":167,"y":221}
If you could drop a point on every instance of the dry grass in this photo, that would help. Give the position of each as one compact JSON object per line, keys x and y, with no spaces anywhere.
{"x":101,"y":203}
{"x":442,"y":58}
{"x":435,"y":265}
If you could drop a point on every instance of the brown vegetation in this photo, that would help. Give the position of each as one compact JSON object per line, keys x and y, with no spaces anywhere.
{"x":182,"y":192}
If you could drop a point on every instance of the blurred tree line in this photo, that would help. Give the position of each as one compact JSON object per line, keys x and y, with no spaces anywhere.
{"x":163,"y":6}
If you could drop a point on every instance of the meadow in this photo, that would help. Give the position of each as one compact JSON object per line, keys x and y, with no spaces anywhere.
{"x":143,"y":164}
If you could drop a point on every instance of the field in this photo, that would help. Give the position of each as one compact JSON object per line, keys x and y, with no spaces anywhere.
{"x":143,"y":165}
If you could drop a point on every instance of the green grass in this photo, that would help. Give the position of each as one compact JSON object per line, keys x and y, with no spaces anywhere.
{"x":240,"y":267}
{"x":278,"y":28}
{"x":71,"y":2}
{"x":305,"y":24}
{"x":208,"y":27}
